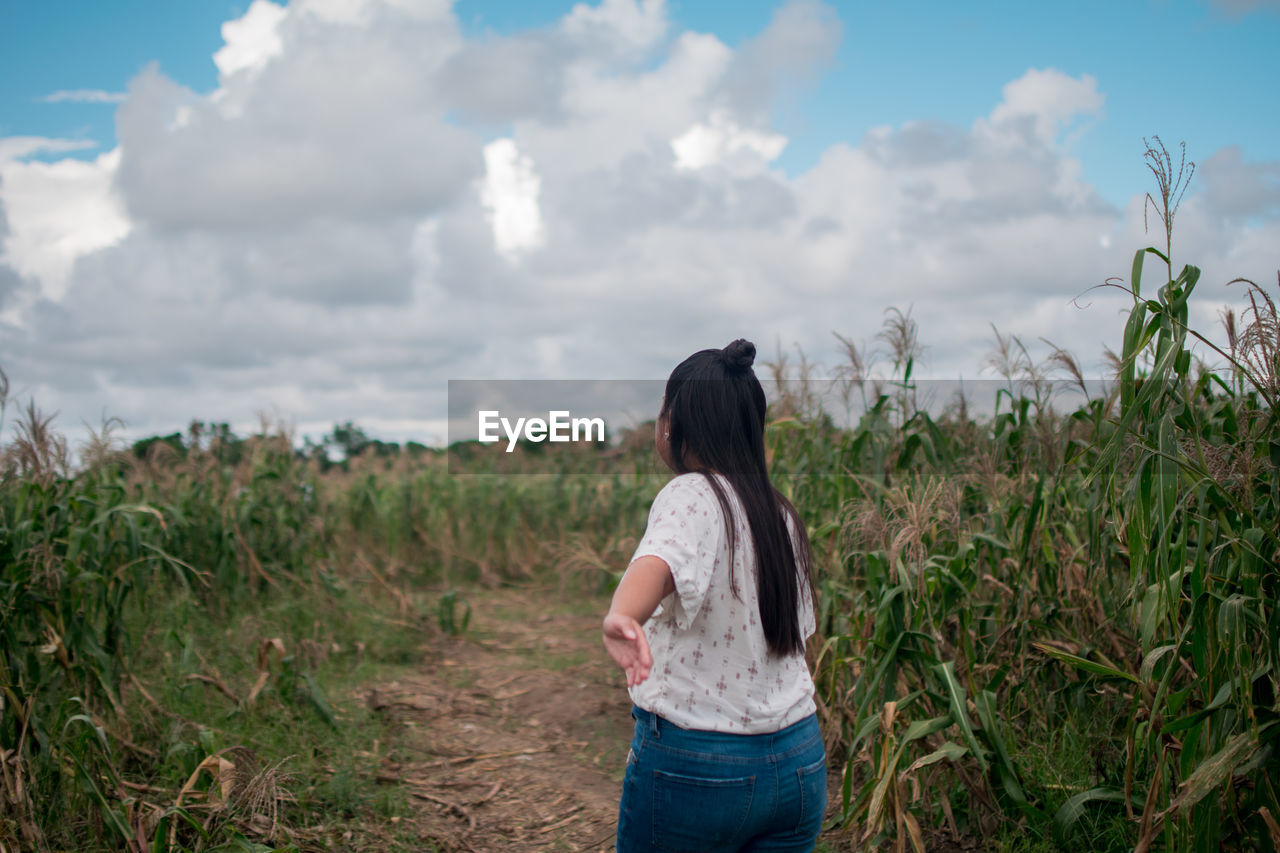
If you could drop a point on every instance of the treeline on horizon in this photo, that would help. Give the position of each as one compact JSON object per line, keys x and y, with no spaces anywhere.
{"x":347,"y":441}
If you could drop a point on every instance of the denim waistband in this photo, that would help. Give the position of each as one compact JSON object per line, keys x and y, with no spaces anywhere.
{"x":792,"y":739}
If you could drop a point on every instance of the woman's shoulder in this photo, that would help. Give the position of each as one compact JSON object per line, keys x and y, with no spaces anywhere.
{"x":689,"y":483}
{"x":684,"y":490}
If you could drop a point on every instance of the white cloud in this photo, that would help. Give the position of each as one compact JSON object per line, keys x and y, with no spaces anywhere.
{"x":362,"y":12}
{"x":337,"y":11}
{"x":722,"y":142}
{"x":1049,"y":100}
{"x":82,"y":96}
{"x":608,"y":115}
{"x":252,"y":40}
{"x":58,"y":212}
{"x":331,"y":234}
{"x":621,"y":25}
{"x":510,"y":195}
{"x":1236,"y":188}
{"x":800,"y":40}
{"x":348,"y":124}
{"x":16,"y":147}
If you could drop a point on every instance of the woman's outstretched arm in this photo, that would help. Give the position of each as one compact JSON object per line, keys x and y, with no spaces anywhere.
{"x":644,"y":584}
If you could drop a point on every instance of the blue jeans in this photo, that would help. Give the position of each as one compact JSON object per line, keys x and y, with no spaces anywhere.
{"x":688,"y":790}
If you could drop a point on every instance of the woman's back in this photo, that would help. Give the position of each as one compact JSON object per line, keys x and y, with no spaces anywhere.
{"x":712,"y":667}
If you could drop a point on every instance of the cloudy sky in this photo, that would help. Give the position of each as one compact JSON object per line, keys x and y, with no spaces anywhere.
{"x":327,"y":209}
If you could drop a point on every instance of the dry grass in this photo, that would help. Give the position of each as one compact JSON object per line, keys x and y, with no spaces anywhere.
{"x":37,"y":452}
{"x":1257,"y":345}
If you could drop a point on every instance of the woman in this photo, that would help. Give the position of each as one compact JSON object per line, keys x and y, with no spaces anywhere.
{"x":709,"y":624}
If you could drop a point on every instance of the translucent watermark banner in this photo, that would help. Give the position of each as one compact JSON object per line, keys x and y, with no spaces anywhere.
{"x":597,"y":426}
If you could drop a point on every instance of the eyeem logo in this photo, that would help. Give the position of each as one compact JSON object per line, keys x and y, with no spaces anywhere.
{"x":559,"y":426}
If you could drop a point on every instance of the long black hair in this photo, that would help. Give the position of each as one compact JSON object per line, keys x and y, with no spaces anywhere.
{"x":714,"y":411}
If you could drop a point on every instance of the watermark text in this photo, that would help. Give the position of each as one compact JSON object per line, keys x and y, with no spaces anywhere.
{"x":559,"y":426}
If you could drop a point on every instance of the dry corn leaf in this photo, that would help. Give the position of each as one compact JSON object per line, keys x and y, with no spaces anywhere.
{"x":1272,"y":826}
{"x":913,"y":831}
{"x":264,"y":669}
{"x":223,"y":773}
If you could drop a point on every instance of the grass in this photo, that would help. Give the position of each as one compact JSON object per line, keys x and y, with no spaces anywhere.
{"x":310,"y":718}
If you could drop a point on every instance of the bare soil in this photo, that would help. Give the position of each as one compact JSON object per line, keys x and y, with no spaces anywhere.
{"x":518,"y":728}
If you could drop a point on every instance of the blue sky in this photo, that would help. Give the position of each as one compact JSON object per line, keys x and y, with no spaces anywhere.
{"x":326,"y":209}
{"x":1186,"y":70}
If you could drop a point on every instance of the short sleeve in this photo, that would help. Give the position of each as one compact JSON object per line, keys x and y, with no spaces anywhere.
{"x":685,"y":529}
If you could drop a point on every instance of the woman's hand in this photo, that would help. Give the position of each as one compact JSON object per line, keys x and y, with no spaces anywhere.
{"x":644,"y":584}
{"x":626,"y":643}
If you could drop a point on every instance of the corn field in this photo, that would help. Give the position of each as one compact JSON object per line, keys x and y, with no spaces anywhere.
{"x":1050,"y":630}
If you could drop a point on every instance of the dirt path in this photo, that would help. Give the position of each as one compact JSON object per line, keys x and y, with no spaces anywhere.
{"x":519,"y":728}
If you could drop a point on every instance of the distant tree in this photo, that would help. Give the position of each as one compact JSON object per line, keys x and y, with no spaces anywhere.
{"x":143,"y":446}
{"x":225,"y":444}
{"x":216,"y":438}
{"x":348,"y":438}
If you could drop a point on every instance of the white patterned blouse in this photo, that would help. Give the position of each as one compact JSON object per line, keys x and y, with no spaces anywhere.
{"x":712,"y":668}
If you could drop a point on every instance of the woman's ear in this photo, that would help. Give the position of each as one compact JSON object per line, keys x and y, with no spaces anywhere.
{"x":662,"y":440}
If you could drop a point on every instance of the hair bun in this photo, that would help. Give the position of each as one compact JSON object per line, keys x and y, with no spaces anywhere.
{"x":739,"y":355}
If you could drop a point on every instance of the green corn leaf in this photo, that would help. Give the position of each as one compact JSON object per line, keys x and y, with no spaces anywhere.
{"x":206,"y":740}
{"x":950,"y":751}
{"x":1148,"y":669}
{"x":959,"y":708}
{"x":1183,"y":723}
{"x":1213,"y":771}
{"x":924,"y":728}
{"x":1157,"y":604}
{"x":1135,"y":275}
{"x":160,"y":840}
{"x":1086,"y":664}
{"x":983,"y":704}
{"x":1032,"y":516}
{"x":1167,"y":475}
{"x":99,"y":733}
{"x":868,"y":726}
{"x":877,"y":680}
{"x":1233,"y":617}
{"x":824,"y":529}
{"x":1007,"y":771}
{"x":316,"y":695}
{"x":1074,"y":808}
{"x":109,"y":815}
{"x":135,"y":509}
